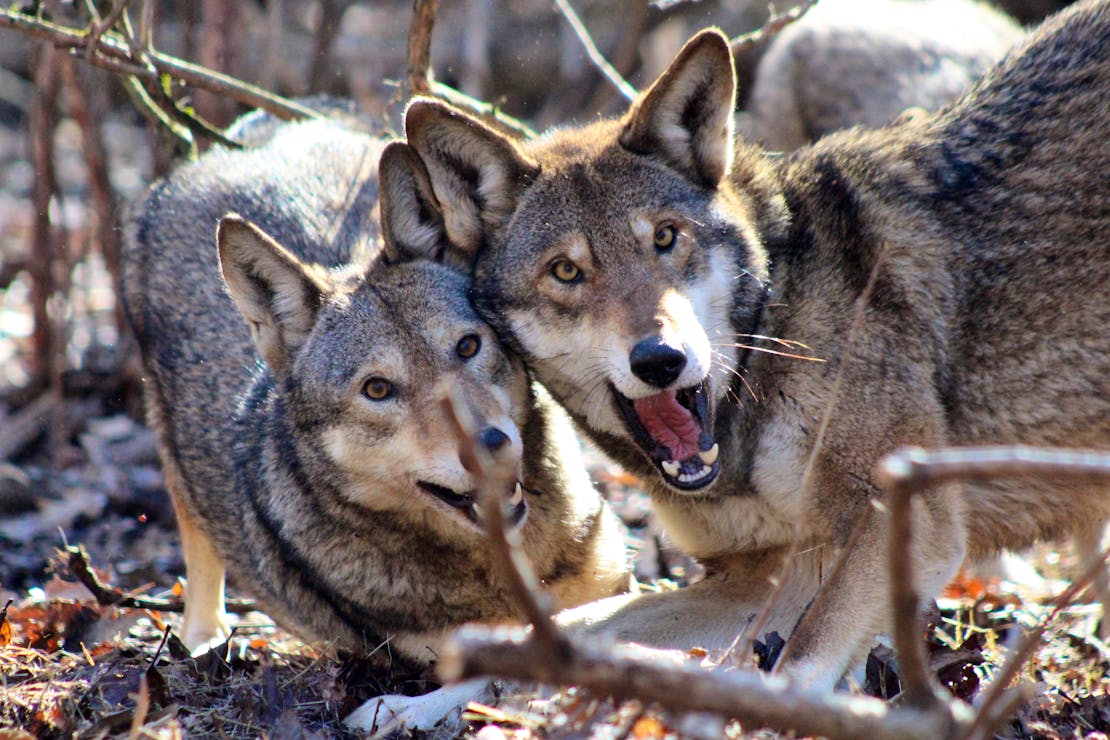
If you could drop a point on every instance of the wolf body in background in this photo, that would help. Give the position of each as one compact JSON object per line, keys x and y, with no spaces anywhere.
{"x":307,"y":453}
{"x":661,"y":279}
{"x":852,"y":62}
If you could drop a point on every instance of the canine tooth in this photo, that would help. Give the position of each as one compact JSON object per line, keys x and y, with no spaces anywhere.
{"x":671,"y":467}
{"x":518,"y":495}
{"x":477,"y":512}
{"x":710,"y":456}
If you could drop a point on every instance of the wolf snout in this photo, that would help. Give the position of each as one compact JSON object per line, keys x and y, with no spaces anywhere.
{"x":657,"y":362}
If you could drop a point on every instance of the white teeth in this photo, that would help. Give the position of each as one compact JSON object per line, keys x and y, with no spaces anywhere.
{"x":477,"y":512}
{"x":518,"y":495}
{"x":691,"y":477}
{"x":710,"y":456}
{"x":671,"y":467}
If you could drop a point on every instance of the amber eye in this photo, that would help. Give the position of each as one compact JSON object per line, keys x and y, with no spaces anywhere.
{"x":468,"y":346}
{"x":565,"y":271}
{"x":377,"y":389}
{"x":665,"y":237}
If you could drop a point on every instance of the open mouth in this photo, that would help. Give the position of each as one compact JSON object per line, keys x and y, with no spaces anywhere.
{"x":671,"y":428}
{"x":467,"y":502}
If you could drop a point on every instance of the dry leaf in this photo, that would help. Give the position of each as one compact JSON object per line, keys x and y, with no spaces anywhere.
{"x":647,"y":727}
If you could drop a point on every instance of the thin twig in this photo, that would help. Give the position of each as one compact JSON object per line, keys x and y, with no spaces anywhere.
{"x":595,"y":55}
{"x":77,"y":561}
{"x":488,"y":112}
{"x":774,"y":25}
{"x":418,"y":74}
{"x":495,"y":476}
{"x":44,"y":252}
{"x":113,"y":54}
{"x":88,"y":113}
{"x":331,"y":19}
{"x":98,"y":27}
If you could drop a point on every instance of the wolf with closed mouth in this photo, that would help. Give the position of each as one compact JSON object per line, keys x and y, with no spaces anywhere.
{"x":305,"y":448}
{"x":692,"y":301}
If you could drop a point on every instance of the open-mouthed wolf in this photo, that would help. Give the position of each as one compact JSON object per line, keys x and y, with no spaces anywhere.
{"x":295,"y":360}
{"x":751,"y":333}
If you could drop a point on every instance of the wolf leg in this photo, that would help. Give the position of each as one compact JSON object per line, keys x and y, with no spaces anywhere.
{"x":205,"y":624}
{"x":854,"y":604}
{"x":1088,"y":544}
{"x":709,"y":614}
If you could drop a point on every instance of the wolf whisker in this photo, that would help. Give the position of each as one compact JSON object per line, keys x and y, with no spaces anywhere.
{"x":753,"y":348}
{"x":776,"y":340}
{"x":723,"y":363}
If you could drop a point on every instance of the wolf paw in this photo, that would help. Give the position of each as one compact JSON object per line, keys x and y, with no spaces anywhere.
{"x":441,"y":709}
{"x":202,"y":635}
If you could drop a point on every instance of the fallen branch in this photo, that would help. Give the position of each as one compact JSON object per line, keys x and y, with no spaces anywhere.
{"x":755,"y":699}
{"x":76,"y":561}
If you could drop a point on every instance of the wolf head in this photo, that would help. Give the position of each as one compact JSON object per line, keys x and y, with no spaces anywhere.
{"x":619,"y":259}
{"x":360,"y":358}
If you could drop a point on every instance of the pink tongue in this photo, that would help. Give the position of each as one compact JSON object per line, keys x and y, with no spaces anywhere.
{"x":669,"y":424}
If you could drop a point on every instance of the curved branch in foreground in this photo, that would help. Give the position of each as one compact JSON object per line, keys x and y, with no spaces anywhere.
{"x":755,"y":699}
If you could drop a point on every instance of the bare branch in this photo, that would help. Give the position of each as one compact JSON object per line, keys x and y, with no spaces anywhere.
{"x":98,"y":27}
{"x":915,"y":468}
{"x":86,"y":105}
{"x":912,"y":470}
{"x":774,"y":25}
{"x":419,"y":72}
{"x":77,"y":562}
{"x":495,"y":476}
{"x":756,"y":699}
{"x":918,"y":685}
{"x":331,"y":19}
{"x":115,"y":55}
{"x":599,"y":60}
{"x":488,"y":112}
{"x":45,"y":251}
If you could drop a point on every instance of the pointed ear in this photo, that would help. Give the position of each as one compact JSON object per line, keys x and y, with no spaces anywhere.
{"x":476,"y":173}
{"x":685,"y":117}
{"x":412,"y":222}
{"x":277,"y":294}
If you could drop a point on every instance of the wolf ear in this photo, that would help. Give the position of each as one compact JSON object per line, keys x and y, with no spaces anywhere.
{"x":685,"y":117}
{"x":412,"y":221}
{"x":277,"y":294}
{"x":475,"y":172}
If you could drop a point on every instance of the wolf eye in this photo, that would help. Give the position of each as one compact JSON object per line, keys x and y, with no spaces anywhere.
{"x":565,"y":271}
{"x":377,"y":389}
{"x":665,"y":237}
{"x":468,"y":346}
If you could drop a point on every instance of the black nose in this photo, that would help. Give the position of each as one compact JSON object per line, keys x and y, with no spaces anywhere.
{"x":493,"y":439}
{"x":657,"y":363}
